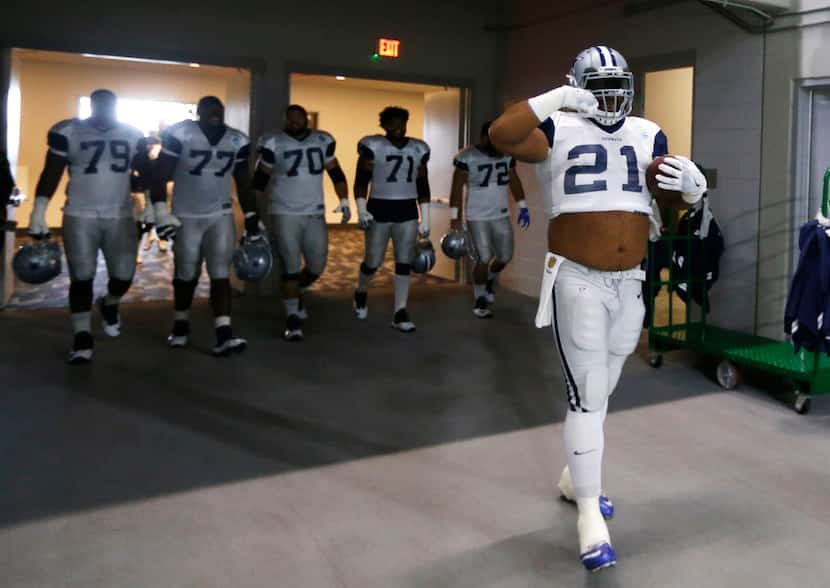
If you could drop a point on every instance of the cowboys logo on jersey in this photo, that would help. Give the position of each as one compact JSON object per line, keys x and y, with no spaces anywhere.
{"x":296,"y":187}
{"x":100,"y":165}
{"x":202,"y":184}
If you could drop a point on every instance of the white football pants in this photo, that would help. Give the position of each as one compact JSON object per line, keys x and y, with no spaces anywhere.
{"x":597,"y":320}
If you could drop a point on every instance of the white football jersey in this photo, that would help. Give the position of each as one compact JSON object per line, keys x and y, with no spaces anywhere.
{"x":204,"y":172}
{"x":594,"y":169}
{"x":99,"y":164}
{"x":488,"y":183}
{"x":297,"y":167}
{"x":396,"y":169}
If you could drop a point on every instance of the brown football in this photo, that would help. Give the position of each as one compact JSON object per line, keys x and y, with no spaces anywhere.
{"x":665,"y":198}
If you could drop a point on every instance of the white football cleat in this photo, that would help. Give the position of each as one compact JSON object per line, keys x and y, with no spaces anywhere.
{"x":82,"y":349}
{"x":179,"y":335}
{"x":402,"y":323}
{"x":595,"y":549}
{"x":481,"y":309}
{"x":232,"y":345}
{"x":294,"y":329}
{"x":111,"y":318}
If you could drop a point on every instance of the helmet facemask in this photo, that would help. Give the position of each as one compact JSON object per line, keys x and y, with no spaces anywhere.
{"x":612,"y":86}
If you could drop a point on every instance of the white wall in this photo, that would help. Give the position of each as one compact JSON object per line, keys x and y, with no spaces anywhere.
{"x":441,"y":121}
{"x":727,"y":121}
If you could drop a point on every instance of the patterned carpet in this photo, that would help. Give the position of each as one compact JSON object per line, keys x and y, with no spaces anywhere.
{"x":154,"y":274}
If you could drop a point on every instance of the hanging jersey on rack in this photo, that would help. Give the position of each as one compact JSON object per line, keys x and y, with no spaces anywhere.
{"x":807,"y":303}
{"x":699,"y":267}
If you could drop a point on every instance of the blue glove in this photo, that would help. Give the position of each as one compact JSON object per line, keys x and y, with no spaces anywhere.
{"x":524,"y":218}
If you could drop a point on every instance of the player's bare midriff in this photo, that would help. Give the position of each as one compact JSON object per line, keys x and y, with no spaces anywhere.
{"x":607,"y":241}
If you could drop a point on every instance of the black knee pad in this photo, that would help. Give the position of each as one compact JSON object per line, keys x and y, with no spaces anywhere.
{"x":366,"y":270}
{"x":118,"y":287}
{"x":80,"y":296}
{"x":307,"y":278}
{"x":402,"y":269}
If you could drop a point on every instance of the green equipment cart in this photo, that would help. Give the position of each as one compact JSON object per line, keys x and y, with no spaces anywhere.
{"x":808,"y":373}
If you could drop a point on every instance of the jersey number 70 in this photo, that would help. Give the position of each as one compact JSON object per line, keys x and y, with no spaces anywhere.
{"x":599,"y":166}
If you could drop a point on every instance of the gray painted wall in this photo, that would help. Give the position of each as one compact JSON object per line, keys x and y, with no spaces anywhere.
{"x":727,"y":121}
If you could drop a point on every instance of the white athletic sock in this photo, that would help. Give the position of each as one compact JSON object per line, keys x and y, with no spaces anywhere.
{"x":110,"y":300}
{"x":182,"y":315}
{"x":584,"y":444}
{"x":479,"y":290}
{"x":491,"y":275}
{"x":292,"y":306}
{"x":363,"y":282}
{"x":401,"y":291}
{"x":222,"y":321}
{"x":81,"y":322}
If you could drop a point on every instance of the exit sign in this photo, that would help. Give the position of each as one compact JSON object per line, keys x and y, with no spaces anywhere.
{"x":389,"y":48}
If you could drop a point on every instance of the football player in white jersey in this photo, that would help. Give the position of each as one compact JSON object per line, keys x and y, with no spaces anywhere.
{"x":600,"y":211}
{"x":293,"y":162}
{"x":106,"y":160}
{"x":488,"y":176}
{"x":396,"y":166}
{"x":201,"y":157}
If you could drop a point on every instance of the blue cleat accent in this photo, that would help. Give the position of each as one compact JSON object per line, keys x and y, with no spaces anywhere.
{"x":606,"y":507}
{"x":599,"y":557}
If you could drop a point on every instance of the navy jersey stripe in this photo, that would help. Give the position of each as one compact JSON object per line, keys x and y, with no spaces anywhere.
{"x":549,"y":130}
{"x":661,"y":145}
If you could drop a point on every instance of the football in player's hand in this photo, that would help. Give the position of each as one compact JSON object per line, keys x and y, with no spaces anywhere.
{"x":665,"y":198}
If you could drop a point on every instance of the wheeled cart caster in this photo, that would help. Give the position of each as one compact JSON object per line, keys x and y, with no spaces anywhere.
{"x":727,"y":375}
{"x":802,"y":403}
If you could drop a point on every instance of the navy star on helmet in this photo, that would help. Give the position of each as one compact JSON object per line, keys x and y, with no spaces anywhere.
{"x":604,"y":72}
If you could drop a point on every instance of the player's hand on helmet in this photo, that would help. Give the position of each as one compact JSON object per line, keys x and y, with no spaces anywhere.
{"x":344,"y":210}
{"x":524,"y":217}
{"x":38,"y":229}
{"x":167,"y":224}
{"x":254,"y":228}
{"x":580,"y":100}
{"x":680,"y":174}
{"x":457,"y":224}
{"x":364,"y":217}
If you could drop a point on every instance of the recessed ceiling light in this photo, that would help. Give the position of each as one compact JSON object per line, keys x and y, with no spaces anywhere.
{"x":195,"y":65}
{"x":340,"y":78}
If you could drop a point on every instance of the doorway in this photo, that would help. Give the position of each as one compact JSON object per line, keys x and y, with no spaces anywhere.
{"x":49,"y":86}
{"x":348,"y":108}
{"x":668,"y":101}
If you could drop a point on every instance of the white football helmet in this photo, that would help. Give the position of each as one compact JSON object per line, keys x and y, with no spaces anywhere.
{"x":604,"y":72}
